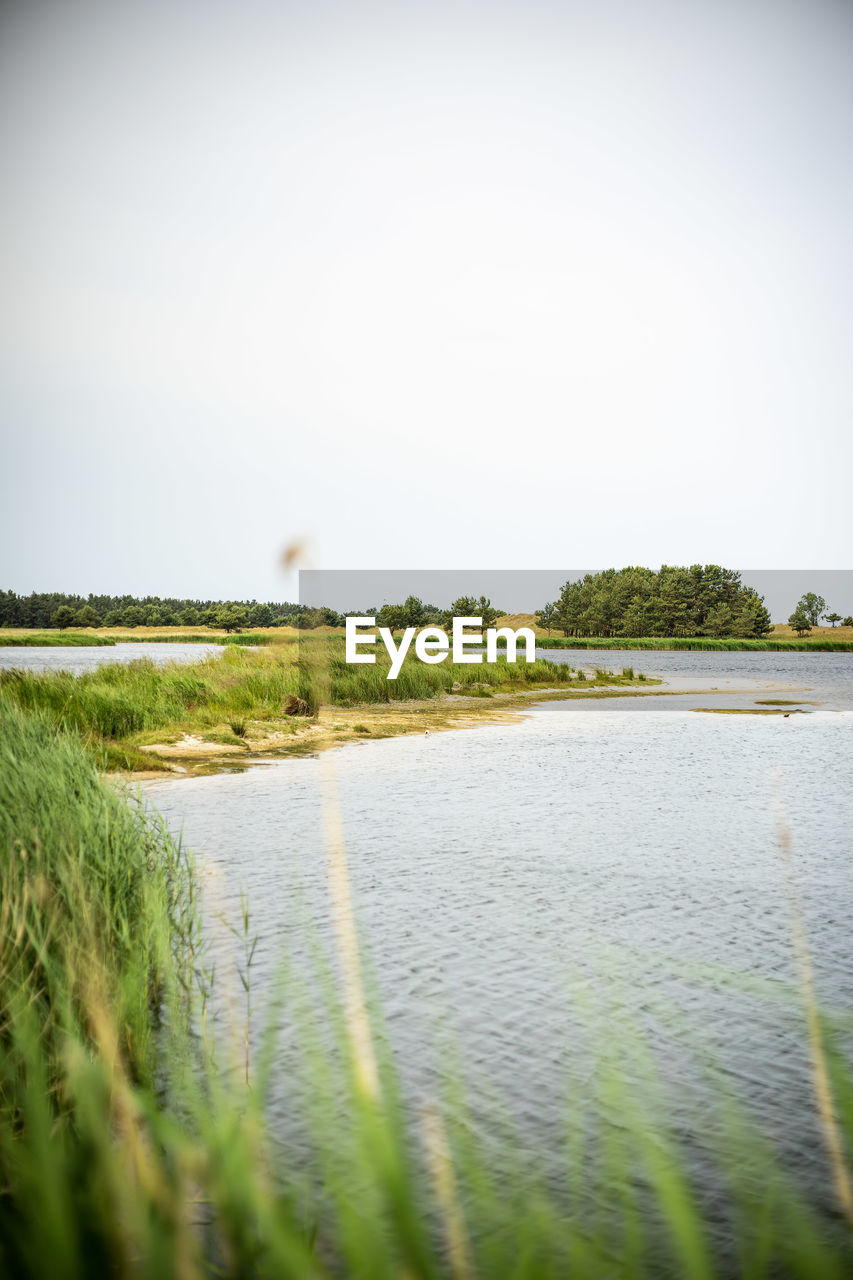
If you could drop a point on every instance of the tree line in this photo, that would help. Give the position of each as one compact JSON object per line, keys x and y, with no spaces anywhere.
{"x":414,"y":613}
{"x":42,"y":610}
{"x":58,"y":609}
{"x":699,"y":600}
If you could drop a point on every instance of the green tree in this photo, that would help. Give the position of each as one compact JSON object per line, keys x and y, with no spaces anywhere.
{"x":848,"y":621}
{"x":260,"y":615}
{"x":719,"y":621}
{"x":833,"y":618}
{"x":63,"y":617}
{"x":473,"y":607}
{"x":799,"y":620}
{"x":547,"y":617}
{"x":86,"y":617}
{"x":812,"y":606}
{"x":231,"y":618}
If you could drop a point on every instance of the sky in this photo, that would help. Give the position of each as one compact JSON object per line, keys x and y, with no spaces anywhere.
{"x":421,"y":285}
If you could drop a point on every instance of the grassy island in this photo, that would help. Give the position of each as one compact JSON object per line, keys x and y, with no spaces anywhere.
{"x":289,"y":698}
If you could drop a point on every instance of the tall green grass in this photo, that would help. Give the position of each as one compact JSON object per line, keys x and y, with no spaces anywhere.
{"x":54,"y":639}
{"x":124,"y":703}
{"x":250,"y":638}
{"x":344,"y":684}
{"x":136,"y":1135}
{"x":118,"y":700}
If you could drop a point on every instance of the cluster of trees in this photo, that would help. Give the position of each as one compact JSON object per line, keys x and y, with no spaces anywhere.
{"x":702,"y":600}
{"x":414,"y":613}
{"x":810,"y":609}
{"x":56,"y":609}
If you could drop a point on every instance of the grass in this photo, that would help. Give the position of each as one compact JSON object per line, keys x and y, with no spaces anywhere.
{"x":53,"y":639}
{"x":749,"y":711}
{"x":243,"y":694}
{"x":96,"y":907}
{"x":123,"y":700}
{"x":777,"y":702}
{"x":135,"y":1129}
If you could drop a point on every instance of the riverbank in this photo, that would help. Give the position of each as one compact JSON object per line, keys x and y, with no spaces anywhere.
{"x":293,"y":698}
{"x":138,"y":1138}
{"x":52,"y":639}
{"x":819,"y":644}
{"x":781,"y":639}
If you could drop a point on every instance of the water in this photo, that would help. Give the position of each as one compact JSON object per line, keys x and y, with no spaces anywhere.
{"x":828,"y":676}
{"x":87,"y":657}
{"x":519,"y":884}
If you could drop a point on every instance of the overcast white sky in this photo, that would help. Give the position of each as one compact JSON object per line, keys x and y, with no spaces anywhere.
{"x":427,"y":284}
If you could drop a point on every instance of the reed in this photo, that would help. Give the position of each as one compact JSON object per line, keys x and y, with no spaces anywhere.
{"x":119,"y":700}
{"x":133,"y":1144}
{"x":119,"y":707}
{"x":54,"y":639}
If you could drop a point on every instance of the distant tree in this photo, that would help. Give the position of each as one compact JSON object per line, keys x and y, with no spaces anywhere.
{"x":411,"y":613}
{"x":547,"y":617}
{"x":848,"y":621}
{"x":392,"y":616}
{"x":751,"y":620}
{"x":799,"y":620}
{"x":63,"y":617}
{"x":718,"y":621}
{"x":833,"y":618}
{"x":86,"y":617}
{"x":231,"y":618}
{"x":471,"y":607}
{"x":812,"y":606}
{"x":133,"y":616}
{"x":113,"y":618}
{"x":260,"y":615}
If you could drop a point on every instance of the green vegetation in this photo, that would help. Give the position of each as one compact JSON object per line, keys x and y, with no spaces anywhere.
{"x":59,"y":609}
{"x":136,"y":1136}
{"x":813,"y":606}
{"x":121,"y":708}
{"x":820,"y":644}
{"x":776,"y":702}
{"x":53,"y":639}
{"x":250,"y":638}
{"x":704,"y":600}
{"x":122,"y":700}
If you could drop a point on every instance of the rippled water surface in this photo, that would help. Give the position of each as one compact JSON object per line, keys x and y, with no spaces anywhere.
{"x":517,"y":882}
{"x":828,"y":676}
{"x":80,"y":658}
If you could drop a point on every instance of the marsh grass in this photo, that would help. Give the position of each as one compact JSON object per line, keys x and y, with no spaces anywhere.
{"x":55,"y":639}
{"x":135,"y":1135}
{"x":120,"y":708}
{"x":120,"y":700}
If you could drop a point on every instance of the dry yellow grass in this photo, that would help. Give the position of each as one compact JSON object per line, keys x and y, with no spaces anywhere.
{"x":516,"y":620}
{"x":782,"y":631}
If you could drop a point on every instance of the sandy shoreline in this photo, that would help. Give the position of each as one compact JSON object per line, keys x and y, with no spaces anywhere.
{"x":192,"y":754}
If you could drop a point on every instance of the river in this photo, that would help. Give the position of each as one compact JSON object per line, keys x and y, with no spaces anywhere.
{"x":82,"y":658}
{"x":518,"y":886}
